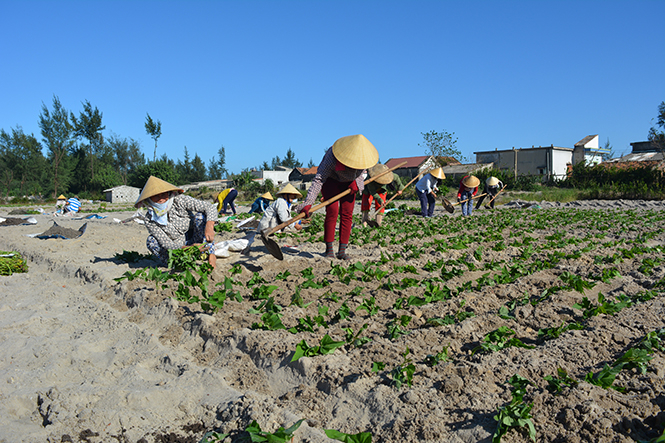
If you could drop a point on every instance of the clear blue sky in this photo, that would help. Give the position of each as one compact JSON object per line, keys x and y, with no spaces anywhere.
{"x":260,"y":77}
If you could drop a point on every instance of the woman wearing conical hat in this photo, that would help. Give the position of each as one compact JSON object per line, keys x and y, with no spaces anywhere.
{"x":261,"y":203}
{"x":175,"y":220}
{"x":426,"y":189}
{"x":492,"y":187}
{"x":378,"y":191}
{"x":468,"y":187}
{"x":280,"y":211}
{"x":342,"y":168}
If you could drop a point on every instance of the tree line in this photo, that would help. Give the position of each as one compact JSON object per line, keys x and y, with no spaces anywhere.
{"x":73,"y":156}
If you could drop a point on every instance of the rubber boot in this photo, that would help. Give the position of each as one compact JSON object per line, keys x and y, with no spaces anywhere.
{"x":329,"y":251}
{"x":365,"y":218}
{"x":341,"y":254}
{"x":379,"y":219}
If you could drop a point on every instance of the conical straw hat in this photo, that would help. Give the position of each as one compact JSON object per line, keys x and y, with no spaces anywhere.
{"x":153,"y":187}
{"x":267,"y":196}
{"x":471,"y":181}
{"x":289,"y":189}
{"x":492,"y":181}
{"x":438,"y":173}
{"x":62,"y":197}
{"x":378,"y":169}
{"x":355,"y":152}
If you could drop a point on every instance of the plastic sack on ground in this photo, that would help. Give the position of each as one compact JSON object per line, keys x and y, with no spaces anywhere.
{"x":224,"y":248}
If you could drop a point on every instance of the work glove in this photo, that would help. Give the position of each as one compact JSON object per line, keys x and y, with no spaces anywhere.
{"x":353,"y":187}
{"x":305,"y":210}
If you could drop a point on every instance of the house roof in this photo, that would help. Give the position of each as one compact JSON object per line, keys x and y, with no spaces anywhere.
{"x":308,"y":171}
{"x":586,"y":140}
{"x":556,"y":148}
{"x":638,"y":157}
{"x":411,"y":162}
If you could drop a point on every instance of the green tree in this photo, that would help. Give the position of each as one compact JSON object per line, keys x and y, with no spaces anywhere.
{"x":440,"y":145}
{"x":184,"y":168}
{"x":163,"y":168}
{"x":217,"y":166}
{"x":57,"y":134}
{"x":127,"y":156}
{"x":290,"y":161}
{"x":89,"y":126}
{"x":21,"y":161}
{"x":656,"y":137}
{"x":154,"y":130}
{"x":198,"y":170}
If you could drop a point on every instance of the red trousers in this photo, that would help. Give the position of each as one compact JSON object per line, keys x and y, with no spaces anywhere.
{"x":366,"y":204}
{"x":330,"y":189}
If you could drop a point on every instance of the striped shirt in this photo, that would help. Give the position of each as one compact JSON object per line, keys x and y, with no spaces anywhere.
{"x":73,"y":204}
{"x":172,"y":236}
{"x":328,"y":169}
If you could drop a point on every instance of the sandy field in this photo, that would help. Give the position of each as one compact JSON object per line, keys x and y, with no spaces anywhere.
{"x":84,"y":358}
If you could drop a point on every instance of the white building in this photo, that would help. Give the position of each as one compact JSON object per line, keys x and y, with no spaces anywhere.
{"x":278,"y":177}
{"x":588,"y":150}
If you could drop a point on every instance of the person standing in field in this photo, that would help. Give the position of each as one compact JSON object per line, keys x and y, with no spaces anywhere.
{"x":378,"y":191}
{"x":468,"y":187}
{"x":341,"y":168}
{"x":426,"y":189}
{"x":224,"y":198}
{"x":492,"y":187}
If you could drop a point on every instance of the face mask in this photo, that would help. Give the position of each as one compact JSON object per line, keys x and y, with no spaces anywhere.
{"x":295,"y":200}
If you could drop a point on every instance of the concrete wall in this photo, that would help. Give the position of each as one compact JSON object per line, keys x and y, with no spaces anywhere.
{"x":534,"y":161}
{"x":122,"y":194}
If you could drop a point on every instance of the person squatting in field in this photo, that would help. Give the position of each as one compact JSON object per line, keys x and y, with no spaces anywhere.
{"x":492,"y":187}
{"x":468,"y":187}
{"x":377,"y":191}
{"x":261,"y":203}
{"x":175,"y":220}
{"x":280,"y":211}
{"x":341,"y":168}
{"x":426,"y":190}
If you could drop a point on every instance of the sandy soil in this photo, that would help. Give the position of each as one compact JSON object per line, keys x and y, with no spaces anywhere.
{"x":86,"y":358}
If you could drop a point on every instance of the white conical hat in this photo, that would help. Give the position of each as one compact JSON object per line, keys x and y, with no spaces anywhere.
{"x":355,"y":152}
{"x":492,"y":181}
{"x":153,"y":187}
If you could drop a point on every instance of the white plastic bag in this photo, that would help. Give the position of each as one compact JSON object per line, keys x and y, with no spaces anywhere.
{"x":223,"y":248}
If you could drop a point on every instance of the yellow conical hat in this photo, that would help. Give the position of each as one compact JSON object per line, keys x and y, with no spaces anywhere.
{"x":355,"y":152}
{"x":471,"y":181}
{"x":438,"y":173}
{"x":289,"y":189}
{"x":62,"y":197}
{"x":153,"y":187}
{"x":378,"y":169}
{"x":267,"y":196}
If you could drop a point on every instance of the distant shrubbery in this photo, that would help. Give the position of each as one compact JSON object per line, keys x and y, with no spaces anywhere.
{"x":631,"y":180}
